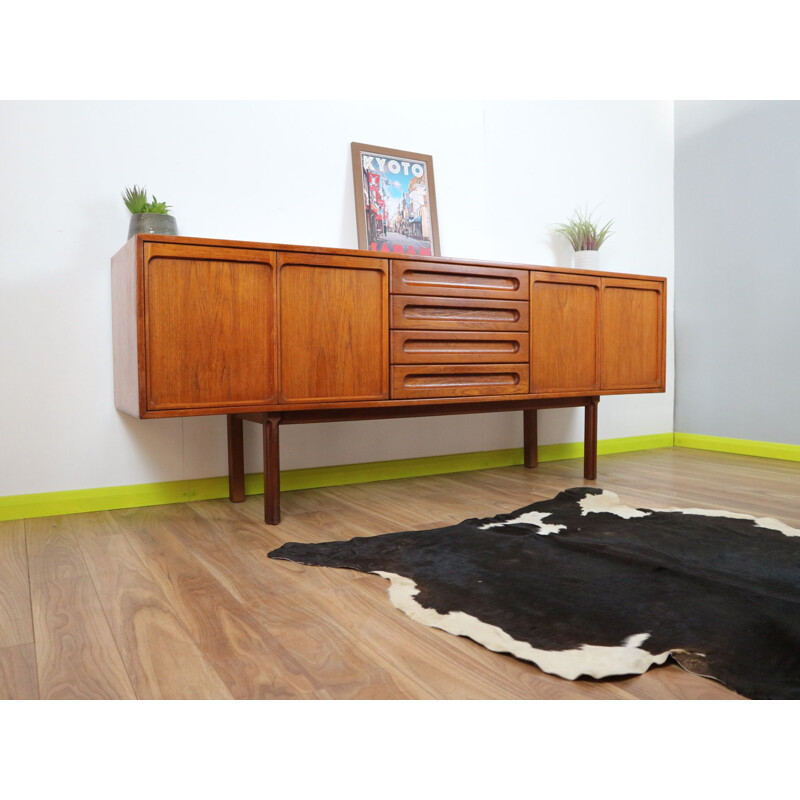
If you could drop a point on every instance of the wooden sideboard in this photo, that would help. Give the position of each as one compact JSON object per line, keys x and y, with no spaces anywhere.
{"x":279,"y":334}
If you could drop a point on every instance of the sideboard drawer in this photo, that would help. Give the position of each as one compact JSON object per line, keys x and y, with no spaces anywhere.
{"x":458,"y":280}
{"x":458,"y":347}
{"x":463,"y":380}
{"x":458,"y":313}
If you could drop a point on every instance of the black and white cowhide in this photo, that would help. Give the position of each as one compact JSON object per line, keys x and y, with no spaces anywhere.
{"x":582,"y":585}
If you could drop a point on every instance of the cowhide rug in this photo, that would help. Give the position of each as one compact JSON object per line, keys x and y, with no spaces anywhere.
{"x":582,"y":585}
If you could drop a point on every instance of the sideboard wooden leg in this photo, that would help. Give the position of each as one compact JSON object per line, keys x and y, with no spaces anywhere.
{"x":272,"y":470}
{"x":590,"y":440}
{"x":235,"y":458}
{"x":530,"y":437}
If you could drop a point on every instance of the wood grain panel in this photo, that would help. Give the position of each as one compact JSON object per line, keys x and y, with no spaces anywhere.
{"x":439,"y":347}
{"x":445,"y":313}
{"x":458,"y":280}
{"x":633,"y":335}
{"x":467,"y":380}
{"x":565,"y":315}
{"x":209,"y":328}
{"x":173,"y":360}
{"x":334,"y":329}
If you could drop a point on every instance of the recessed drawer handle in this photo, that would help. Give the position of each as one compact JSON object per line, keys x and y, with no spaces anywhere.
{"x":413,"y":381}
{"x":418,"y":277}
{"x":467,"y":314}
{"x":459,"y":346}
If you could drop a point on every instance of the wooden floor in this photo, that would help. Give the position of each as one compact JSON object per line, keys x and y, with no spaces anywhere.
{"x":181,"y":601}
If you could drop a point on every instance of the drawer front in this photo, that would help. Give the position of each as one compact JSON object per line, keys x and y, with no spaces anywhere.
{"x":458,"y":280}
{"x":468,"y":314}
{"x":467,"y":380}
{"x":443,"y":347}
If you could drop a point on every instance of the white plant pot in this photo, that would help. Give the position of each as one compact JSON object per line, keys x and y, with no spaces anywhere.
{"x":587,"y":259}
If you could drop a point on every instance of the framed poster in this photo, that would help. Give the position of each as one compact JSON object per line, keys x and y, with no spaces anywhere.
{"x":395,"y":201}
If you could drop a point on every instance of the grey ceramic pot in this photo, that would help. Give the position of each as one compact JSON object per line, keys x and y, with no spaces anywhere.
{"x":152,"y":223}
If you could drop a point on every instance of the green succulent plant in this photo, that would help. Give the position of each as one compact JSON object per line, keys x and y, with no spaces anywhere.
{"x":156,"y":207}
{"x":135,"y":199}
{"x":582,"y":231}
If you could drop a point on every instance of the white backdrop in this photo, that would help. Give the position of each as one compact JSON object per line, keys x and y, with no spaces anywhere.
{"x":280,"y":172}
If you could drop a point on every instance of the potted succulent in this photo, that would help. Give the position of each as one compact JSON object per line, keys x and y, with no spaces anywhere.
{"x":585,"y":236}
{"x":149,"y":216}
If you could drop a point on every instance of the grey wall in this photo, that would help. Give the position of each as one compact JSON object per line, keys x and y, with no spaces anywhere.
{"x":737,"y":269}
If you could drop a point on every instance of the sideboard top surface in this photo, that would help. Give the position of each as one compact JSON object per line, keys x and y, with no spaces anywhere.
{"x":141,"y":238}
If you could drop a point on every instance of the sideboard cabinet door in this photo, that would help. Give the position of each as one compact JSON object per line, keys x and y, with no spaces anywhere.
{"x":333,"y":328}
{"x":634,"y":320}
{"x":209,"y":326}
{"x":565,"y":317}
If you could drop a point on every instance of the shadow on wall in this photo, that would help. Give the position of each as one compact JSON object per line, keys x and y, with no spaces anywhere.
{"x":151,"y":447}
{"x":737,"y":203}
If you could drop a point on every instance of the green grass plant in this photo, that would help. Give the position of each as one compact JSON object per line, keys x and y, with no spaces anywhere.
{"x":583,"y":232}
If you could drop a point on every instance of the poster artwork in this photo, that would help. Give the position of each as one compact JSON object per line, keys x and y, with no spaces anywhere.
{"x":397,"y":205}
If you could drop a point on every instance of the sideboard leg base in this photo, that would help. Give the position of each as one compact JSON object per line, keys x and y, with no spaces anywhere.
{"x":235,"y":459}
{"x":590,"y":440}
{"x":530,"y":437}
{"x":272,"y":470}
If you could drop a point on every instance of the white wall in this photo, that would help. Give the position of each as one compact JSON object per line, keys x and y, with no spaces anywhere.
{"x":281,"y":172}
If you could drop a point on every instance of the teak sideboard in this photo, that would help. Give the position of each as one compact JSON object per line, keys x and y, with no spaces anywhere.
{"x":279,"y":334}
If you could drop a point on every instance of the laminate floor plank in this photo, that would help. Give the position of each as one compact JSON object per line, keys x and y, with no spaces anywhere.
{"x":334,"y":658}
{"x":671,"y":682}
{"x":16,"y":623}
{"x":18,"y":677}
{"x":227,"y":545}
{"x":251,"y":663}
{"x":160,"y":656}
{"x":394,"y":509}
{"x":77,"y":657}
{"x":53,"y":552}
